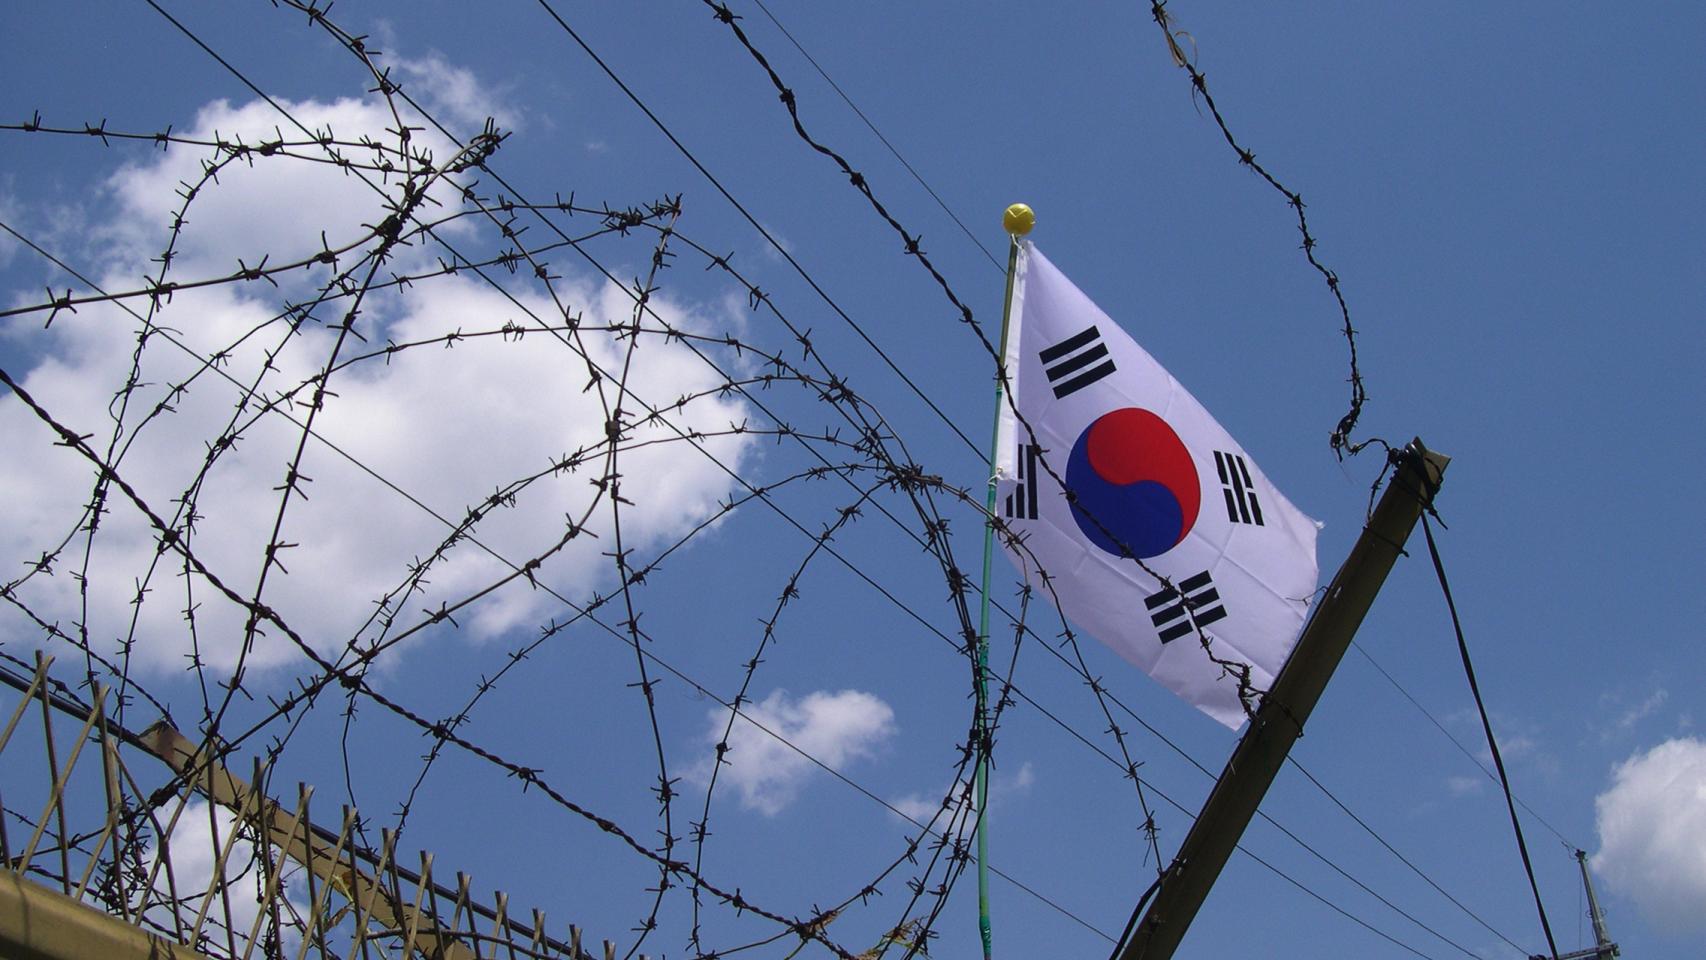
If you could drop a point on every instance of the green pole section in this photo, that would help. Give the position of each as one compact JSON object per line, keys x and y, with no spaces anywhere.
{"x":1018,"y":221}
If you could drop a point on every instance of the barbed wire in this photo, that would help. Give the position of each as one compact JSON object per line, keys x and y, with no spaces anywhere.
{"x":1232,"y":668}
{"x":871,"y":125}
{"x":439,"y":226}
{"x":1340,"y":439}
{"x":314,"y":389}
{"x":332,"y":673}
{"x":907,"y":472}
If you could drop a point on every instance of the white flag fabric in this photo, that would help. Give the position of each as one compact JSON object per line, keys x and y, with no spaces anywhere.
{"x":1156,"y":483}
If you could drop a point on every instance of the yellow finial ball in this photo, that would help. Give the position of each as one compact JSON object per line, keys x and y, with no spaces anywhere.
{"x":1019,"y":219}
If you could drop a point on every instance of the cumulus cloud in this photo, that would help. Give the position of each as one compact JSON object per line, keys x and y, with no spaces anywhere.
{"x":1464,"y":786}
{"x":835,"y":728}
{"x":1652,"y":833}
{"x":9,"y":213}
{"x":194,"y":841}
{"x":453,"y":94}
{"x":921,"y":807}
{"x":448,"y":426}
{"x":1521,"y":741}
{"x":276,"y":208}
{"x":1624,"y":723}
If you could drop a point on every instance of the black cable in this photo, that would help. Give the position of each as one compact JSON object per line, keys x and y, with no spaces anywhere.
{"x":1457,"y":743}
{"x":253,"y":87}
{"x":1014,"y":689}
{"x":1136,"y":914}
{"x":1486,"y":725}
{"x":260,"y":93}
{"x":885,"y":140}
{"x":1401,"y":858}
{"x":774,"y":243}
{"x":1191,"y":815}
{"x":1205,"y":771}
{"x":263,"y":95}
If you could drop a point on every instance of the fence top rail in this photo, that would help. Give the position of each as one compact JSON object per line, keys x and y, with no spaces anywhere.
{"x":372,"y":881}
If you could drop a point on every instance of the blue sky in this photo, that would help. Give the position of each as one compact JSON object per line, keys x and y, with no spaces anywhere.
{"x":1508,"y":194}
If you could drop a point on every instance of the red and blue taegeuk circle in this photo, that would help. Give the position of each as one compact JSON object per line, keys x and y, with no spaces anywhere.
{"x":1133,"y":475}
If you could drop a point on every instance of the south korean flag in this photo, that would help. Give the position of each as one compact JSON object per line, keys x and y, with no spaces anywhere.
{"x":1155,"y":483}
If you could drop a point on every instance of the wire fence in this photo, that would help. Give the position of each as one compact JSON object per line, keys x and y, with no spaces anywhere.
{"x":656,"y":392}
{"x":406,"y":400}
{"x":154,"y":832}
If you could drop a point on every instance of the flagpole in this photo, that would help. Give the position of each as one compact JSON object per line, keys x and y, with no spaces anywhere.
{"x":1018,"y":221}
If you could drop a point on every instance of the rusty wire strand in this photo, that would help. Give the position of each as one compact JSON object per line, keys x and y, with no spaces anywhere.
{"x":331,"y":673}
{"x":753,"y":221}
{"x":865,"y":450}
{"x":646,"y":926}
{"x":1340,"y":439}
{"x":1238,"y":671}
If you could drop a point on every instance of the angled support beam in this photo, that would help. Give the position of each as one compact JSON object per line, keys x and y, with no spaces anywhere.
{"x":329,"y":862}
{"x":37,"y":923}
{"x":1279,"y":721}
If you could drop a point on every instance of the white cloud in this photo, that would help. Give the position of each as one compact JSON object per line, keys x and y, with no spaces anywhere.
{"x":1520,"y":740}
{"x":1652,"y":833}
{"x":447,"y":425}
{"x":8,"y":213}
{"x":770,"y":250}
{"x":921,"y":807}
{"x":195,"y":840}
{"x":451,"y":93}
{"x":836,"y":728}
{"x":1464,"y":786}
{"x":281,"y":207}
{"x":1512,"y":747}
{"x":1625,"y":722}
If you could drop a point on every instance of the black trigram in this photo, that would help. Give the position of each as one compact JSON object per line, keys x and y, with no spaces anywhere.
{"x":1021,"y":504}
{"x":1167,"y":611}
{"x":1076,"y":362}
{"x":1240,"y":493}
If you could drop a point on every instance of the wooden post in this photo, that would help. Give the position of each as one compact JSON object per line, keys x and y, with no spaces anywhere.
{"x":1279,"y":721}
